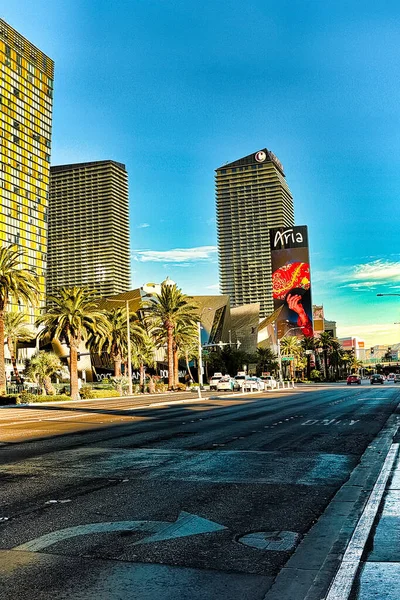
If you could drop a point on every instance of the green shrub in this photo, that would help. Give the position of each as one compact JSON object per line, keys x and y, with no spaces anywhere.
{"x":86,"y":392}
{"x":105,"y":394}
{"x":316,"y":375}
{"x":161,"y":387}
{"x":180,"y":387}
{"x":33,"y":398}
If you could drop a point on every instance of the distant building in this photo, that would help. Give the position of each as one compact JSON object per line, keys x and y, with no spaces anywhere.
{"x":252,"y":196}
{"x":354,"y":343}
{"x":89,"y":228}
{"x":25,"y":117}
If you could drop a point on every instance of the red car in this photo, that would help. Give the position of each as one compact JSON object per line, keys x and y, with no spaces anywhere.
{"x":353,"y":379}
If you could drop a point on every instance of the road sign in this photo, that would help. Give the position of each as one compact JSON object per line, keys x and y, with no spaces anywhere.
{"x":287,"y":357}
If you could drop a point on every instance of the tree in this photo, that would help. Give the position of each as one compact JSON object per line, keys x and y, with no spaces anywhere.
{"x":168,"y":309}
{"x":308,"y":345}
{"x":290,"y":346}
{"x":326,"y":342}
{"x":266,"y":360}
{"x":41,"y":368}
{"x":143,"y":354}
{"x":16,"y":329}
{"x":18,"y":284}
{"x":73,"y":317}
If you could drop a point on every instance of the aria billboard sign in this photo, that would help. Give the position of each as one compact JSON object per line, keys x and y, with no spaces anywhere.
{"x":291,"y":280}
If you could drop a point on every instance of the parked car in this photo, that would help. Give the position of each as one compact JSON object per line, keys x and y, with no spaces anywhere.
{"x":241,"y":378}
{"x":390,"y":377}
{"x":269,"y":381}
{"x":353,"y":379}
{"x":252,"y":384}
{"x":227,"y":383}
{"x":376,"y":378}
{"x":214,"y":380}
{"x":397,"y":378}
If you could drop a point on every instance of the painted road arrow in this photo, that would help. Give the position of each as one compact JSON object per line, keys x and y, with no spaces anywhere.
{"x":185,"y":525}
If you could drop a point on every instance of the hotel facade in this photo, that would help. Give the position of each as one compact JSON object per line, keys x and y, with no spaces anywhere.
{"x":26,"y":99}
{"x":252,"y":196}
{"x":88,"y":236}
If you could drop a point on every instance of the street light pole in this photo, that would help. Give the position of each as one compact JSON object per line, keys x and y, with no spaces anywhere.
{"x":200,"y":357}
{"x":128,"y":333}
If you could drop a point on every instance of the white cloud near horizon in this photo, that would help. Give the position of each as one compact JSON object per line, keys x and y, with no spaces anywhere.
{"x":143,"y":226}
{"x":177,"y":255}
{"x":363,"y":276}
{"x":372,"y":333}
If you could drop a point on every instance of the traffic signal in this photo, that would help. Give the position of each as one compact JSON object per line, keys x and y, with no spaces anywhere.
{"x":78,"y":356}
{"x":372,"y":350}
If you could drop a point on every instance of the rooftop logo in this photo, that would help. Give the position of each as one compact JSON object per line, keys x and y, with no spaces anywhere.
{"x":260,"y":156}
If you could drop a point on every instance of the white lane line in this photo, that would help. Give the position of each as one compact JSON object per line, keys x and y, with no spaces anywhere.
{"x":82,"y":414}
{"x":343,"y":582}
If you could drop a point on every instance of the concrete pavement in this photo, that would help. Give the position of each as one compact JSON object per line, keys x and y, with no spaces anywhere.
{"x":379,"y":574}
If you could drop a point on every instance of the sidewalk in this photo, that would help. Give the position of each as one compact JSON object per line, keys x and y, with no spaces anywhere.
{"x":379,"y":575}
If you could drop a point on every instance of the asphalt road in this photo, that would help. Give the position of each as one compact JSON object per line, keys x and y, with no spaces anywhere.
{"x":188,"y":500}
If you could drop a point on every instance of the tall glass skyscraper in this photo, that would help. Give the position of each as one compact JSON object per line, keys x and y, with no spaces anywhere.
{"x":252,"y":196}
{"x":26,"y":97}
{"x":89,"y":228}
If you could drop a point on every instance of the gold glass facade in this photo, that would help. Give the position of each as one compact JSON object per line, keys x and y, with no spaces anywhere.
{"x":26,"y":92}
{"x":252,"y":196}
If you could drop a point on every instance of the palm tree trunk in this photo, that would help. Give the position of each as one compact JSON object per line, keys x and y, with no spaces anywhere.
{"x":176,"y":366}
{"x":188,"y":366}
{"x":48,"y":386}
{"x":14,"y":361}
{"x":73,"y":370}
{"x":170,"y":355}
{"x":2,"y":358}
{"x":141,"y":376}
{"x":117,"y":365}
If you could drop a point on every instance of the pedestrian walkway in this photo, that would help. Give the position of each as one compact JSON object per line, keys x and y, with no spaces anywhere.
{"x":379,"y":576}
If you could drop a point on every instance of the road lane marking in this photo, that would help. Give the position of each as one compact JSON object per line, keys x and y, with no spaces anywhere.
{"x":276,"y":541}
{"x":343,"y":582}
{"x":186,"y":525}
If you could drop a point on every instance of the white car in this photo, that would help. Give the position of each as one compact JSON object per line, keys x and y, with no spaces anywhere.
{"x":214,"y":381}
{"x":252,"y":384}
{"x":269,"y":382}
{"x":227,"y":383}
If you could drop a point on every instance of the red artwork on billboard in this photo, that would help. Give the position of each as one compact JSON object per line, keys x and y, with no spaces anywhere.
{"x":291,"y":281}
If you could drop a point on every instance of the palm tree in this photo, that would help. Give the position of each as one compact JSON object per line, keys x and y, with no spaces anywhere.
{"x":185,"y":341}
{"x":143,"y":354}
{"x":16,"y":284}
{"x":73,"y":317}
{"x":167,"y":310}
{"x":41,"y":367}
{"x":326,"y":340}
{"x":308,"y":345}
{"x":290,"y":346}
{"x":266,"y":360}
{"x":16,"y":329}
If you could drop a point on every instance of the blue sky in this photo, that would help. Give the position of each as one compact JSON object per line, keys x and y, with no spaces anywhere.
{"x":176,"y":89}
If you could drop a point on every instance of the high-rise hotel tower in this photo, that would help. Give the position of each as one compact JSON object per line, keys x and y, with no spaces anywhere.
{"x":26,"y":92}
{"x":89,"y":228}
{"x":252,"y":196}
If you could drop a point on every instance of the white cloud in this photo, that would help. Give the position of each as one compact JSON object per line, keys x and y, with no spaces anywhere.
{"x":373,"y":333}
{"x":214,"y":286}
{"x":177,"y":255}
{"x":142,"y":226}
{"x":378,"y":270}
{"x":363,"y":276}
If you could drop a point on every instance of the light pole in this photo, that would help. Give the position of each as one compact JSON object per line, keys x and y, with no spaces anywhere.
{"x":200,"y":350}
